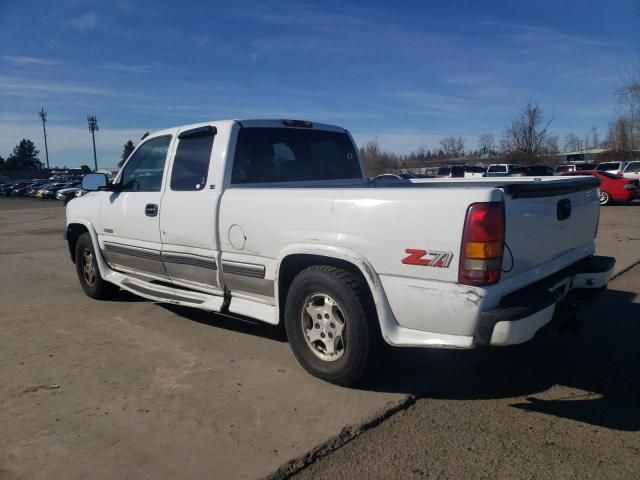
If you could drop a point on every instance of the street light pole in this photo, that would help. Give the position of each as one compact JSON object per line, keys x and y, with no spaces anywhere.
{"x":93,"y":126}
{"x":43,"y":116}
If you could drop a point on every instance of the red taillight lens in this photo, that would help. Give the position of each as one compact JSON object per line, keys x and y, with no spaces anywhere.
{"x":482,"y":244}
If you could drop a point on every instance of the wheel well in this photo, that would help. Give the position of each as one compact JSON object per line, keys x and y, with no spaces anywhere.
{"x":292,"y":265}
{"x":74,"y":231}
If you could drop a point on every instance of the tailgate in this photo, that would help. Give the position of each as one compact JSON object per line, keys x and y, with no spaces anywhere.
{"x":547,"y":220}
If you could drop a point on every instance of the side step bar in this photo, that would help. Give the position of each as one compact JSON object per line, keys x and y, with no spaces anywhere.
{"x":161,"y":294}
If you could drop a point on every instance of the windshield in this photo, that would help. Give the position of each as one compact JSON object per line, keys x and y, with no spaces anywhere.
{"x":586,"y":166}
{"x":608,"y":166}
{"x":633,"y":167}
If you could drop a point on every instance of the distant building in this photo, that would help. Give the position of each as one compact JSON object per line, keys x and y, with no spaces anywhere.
{"x":589,"y":155}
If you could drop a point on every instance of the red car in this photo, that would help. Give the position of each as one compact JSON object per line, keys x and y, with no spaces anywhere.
{"x":612,"y":187}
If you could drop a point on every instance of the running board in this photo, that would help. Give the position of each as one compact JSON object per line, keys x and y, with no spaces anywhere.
{"x":164,"y":294}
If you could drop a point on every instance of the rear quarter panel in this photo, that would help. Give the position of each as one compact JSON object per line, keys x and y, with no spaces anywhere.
{"x":377,"y":223}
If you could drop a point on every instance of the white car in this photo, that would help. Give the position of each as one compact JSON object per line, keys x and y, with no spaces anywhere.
{"x":631,"y":170}
{"x":573,"y":167}
{"x":276,"y":220}
{"x":66,"y":194}
{"x":500,"y":170}
{"x":611,"y":167}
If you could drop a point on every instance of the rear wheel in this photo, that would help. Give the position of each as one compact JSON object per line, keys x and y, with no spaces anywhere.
{"x":89,"y":272}
{"x":327,"y":324}
{"x":605,"y":198}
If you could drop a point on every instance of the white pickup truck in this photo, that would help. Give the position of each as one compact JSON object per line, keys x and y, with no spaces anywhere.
{"x":276,"y":220}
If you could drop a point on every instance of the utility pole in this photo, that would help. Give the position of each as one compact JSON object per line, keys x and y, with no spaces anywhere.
{"x":93,"y":126}
{"x":43,"y":116}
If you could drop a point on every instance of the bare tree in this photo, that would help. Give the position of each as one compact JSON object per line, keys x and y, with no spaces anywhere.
{"x":595,"y":138}
{"x":487,"y":143}
{"x":528,"y":135}
{"x":628,"y":97}
{"x":376,"y":160}
{"x":551,"y":144}
{"x":452,"y":147}
{"x":618,"y":136}
{"x":571,"y":142}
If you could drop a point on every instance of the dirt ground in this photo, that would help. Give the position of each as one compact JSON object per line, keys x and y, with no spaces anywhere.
{"x":134,"y":389}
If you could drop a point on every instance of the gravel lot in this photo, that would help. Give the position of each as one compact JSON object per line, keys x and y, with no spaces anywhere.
{"x":133,"y":389}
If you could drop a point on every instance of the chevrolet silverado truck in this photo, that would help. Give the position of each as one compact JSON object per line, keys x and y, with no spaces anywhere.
{"x":275,"y":220}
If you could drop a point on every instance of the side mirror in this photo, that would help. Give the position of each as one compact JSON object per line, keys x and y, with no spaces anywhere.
{"x":93,"y":182}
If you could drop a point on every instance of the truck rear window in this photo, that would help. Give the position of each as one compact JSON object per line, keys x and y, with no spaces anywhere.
{"x":268,"y":155}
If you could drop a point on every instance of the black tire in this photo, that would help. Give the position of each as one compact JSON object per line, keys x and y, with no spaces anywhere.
{"x":92,"y":284}
{"x":604,"y":198}
{"x":351,"y":303}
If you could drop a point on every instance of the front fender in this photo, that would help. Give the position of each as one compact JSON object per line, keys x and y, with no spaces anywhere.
{"x":105,"y":270}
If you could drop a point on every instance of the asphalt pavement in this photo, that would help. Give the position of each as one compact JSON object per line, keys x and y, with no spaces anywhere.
{"x":567,"y":406}
{"x":134,"y":389}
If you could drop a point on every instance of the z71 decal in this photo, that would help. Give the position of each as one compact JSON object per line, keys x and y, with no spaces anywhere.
{"x":431,"y":258}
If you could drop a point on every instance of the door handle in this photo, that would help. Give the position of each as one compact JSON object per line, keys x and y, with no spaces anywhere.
{"x":151,"y":210}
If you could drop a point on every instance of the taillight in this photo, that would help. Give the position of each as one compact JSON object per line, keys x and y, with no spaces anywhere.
{"x":482,"y":244}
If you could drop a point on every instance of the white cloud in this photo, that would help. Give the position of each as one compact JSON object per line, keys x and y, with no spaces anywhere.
{"x":19,"y":60}
{"x":21,"y":86}
{"x":125,"y":68}
{"x":84,"y":23}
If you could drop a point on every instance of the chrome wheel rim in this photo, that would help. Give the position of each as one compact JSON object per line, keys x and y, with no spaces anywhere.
{"x":604,"y":197}
{"x":323,"y":327}
{"x":88,"y":267}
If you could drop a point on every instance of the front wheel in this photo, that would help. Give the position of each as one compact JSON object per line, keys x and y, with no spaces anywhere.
{"x":89,"y":272}
{"x":327,"y":324}
{"x":605,"y":198}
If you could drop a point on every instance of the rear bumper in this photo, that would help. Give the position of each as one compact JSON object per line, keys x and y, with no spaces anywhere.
{"x":521,"y":314}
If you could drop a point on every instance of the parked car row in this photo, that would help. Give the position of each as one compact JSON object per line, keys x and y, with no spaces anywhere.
{"x":63,"y":189}
{"x":626,"y":169}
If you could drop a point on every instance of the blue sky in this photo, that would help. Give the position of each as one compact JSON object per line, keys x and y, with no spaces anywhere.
{"x":406,"y":73}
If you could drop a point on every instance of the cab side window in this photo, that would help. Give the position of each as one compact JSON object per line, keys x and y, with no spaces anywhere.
{"x":143,"y":172}
{"x":268,"y":155}
{"x":191,"y":162}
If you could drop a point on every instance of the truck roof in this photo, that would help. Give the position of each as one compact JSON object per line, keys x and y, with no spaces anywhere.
{"x":254,"y":123}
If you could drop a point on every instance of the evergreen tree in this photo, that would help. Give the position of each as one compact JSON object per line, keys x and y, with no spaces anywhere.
{"x":24,"y":157}
{"x":128,"y":148}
